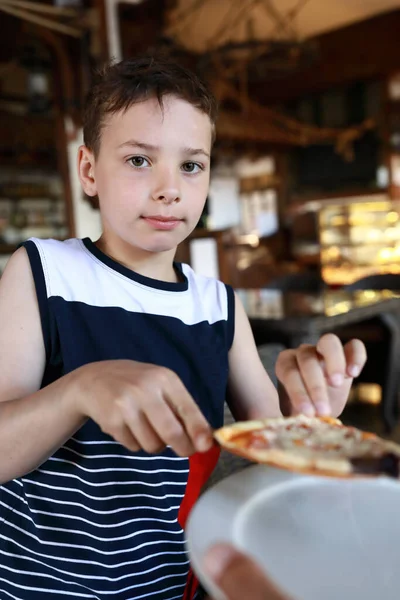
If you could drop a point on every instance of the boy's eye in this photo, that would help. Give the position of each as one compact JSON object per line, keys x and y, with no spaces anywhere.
{"x":191,"y":167}
{"x":138,"y":161}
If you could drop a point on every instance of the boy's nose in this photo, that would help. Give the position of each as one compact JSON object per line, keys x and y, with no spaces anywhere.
{"x":166,"y":186}
{"x":167,"y":196}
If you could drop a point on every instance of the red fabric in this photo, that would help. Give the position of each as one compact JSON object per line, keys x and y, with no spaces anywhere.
{"x":191,"y":586}
{"x":200,"y":468}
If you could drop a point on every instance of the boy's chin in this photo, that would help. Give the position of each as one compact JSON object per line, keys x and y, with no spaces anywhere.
{"x":159,"y":247}
{"x":164,"y":243}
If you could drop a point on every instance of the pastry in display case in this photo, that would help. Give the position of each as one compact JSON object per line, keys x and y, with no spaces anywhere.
{"x":359,"y":237}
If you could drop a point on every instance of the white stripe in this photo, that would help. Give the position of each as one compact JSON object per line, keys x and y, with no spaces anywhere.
{"x":100,"y":442}
{"x":77,"y":518}
{"x":147,"y":583}
{"x":101,"y":498}
{"x":72,"y":583}
{"x":34,"y":589}
{"x":17,"y":512}
{"x":95,"y":537}
{"x":92,"y":596}
{"x":93,"y":524}
{"x":17,"y":496}
{"x":111,"y":483}
{"x":53,"y":577}
{"x":120,"y":538}
{"x":179,"y":597}
{"x":8,"y":593}
{"x":92,"y":442}
{"x":174,"y":587}
{"x":101,"y":512}
{"x":104,"y":565}
{"x":87,"y":508}
{"x":119,"y":470}
{"x":90,"y":548}
{"x":74,"y":531}
{"x":96,"y":577}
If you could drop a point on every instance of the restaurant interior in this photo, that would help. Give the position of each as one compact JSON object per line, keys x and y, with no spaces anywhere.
{"x":305,"y":168}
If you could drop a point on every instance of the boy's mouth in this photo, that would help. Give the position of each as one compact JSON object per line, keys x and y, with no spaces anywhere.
{"x":162,"y":223}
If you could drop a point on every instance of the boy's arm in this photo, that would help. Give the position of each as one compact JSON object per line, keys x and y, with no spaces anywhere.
{"x":314,"y":379}
{"x":251,"y":393}
{"x":33,"y":424}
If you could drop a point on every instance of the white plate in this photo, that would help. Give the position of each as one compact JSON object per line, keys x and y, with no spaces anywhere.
{"x":317,"y":538}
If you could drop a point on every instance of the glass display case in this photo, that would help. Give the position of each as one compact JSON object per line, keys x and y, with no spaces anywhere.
{"x":359,"y":237}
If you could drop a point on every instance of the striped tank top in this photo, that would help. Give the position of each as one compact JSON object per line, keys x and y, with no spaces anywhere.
{"x":97,"y":521}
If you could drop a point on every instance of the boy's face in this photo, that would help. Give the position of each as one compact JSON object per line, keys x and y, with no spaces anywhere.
{"x":151,"y":174}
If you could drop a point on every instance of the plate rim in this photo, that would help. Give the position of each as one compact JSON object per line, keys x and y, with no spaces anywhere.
{"x":274,"y":476}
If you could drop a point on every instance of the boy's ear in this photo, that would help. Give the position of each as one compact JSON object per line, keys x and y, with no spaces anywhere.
{"x":86,"y":171}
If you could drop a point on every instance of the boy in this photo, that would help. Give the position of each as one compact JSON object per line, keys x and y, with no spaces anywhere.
{"x":116,"y":360}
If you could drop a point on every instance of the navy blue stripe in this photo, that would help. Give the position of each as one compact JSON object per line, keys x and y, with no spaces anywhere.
{"x":231,"y":315}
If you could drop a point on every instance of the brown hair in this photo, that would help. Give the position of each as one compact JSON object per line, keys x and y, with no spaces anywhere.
{"x":120,"y":85}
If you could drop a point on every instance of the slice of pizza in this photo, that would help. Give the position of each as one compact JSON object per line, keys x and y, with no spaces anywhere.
{"x":313,"y":445}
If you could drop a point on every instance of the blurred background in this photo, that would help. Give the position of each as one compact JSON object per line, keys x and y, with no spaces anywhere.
{"x":303,"y":213}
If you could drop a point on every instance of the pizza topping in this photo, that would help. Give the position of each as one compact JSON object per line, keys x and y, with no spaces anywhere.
{"x":313,"y":443}
{"x":327,"y":438}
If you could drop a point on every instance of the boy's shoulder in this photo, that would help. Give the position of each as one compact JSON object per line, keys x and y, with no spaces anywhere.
{"x":59,"y":253}
{"x":58,"y":260}
{"x":60,"y":246}
{"x":210,"y":292}
{"x":204,"y":281}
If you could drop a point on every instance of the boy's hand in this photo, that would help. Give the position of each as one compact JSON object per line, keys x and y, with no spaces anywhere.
{"x":142,"y":406}
{"x":317,"y":379}
{"x":238,"y":576}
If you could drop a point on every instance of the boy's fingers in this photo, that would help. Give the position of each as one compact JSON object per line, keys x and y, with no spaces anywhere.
{"x":143,"y":431}
{"x":161,"y":412}
{"x":189,"y":414}
{"x":238,"y":576}
{"x":155,"y":425}
{"x":331,"y":350}
{"x":313,"y":377}
{"x":168,"y":426}
{"x":125,"y":437}
{"x":356,"y":356}
{"x":288,"y":373}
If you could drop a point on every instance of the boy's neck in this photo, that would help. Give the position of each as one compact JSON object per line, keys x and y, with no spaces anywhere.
{"x":156,"y":265}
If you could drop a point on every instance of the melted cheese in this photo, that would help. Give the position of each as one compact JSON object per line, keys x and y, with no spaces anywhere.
{"x":317,"y":439}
